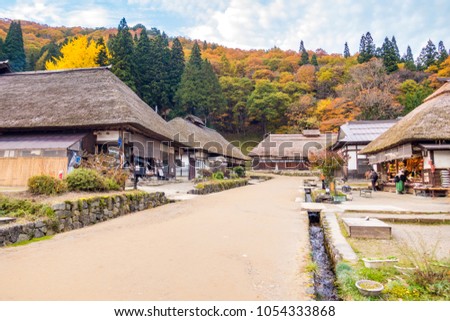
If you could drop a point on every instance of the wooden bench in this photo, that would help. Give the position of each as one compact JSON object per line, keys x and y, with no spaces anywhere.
{"x":365,"y":192}
{"x":425,"y":191}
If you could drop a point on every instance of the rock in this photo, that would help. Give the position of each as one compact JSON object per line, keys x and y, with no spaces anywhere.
{"x":23,"y":238}
{"x":39,"y":224}
{"x":59,"y":207}
{"x":77,"y":225}
{"x":38,"y":234}
{"x":43,"y":229}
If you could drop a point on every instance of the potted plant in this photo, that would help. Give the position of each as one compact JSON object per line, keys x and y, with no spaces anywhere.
{"x":377,"y":263}
{"x":369,"y":287}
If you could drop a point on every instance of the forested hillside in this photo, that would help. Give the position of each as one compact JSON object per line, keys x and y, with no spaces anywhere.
{"x":240,"y":91}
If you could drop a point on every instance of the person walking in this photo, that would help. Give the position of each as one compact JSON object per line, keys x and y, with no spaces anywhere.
{"x":374,"y":179}
{"x":322,"y":178}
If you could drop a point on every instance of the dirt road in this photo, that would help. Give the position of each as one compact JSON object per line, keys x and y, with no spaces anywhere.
{"x":248,"y":243}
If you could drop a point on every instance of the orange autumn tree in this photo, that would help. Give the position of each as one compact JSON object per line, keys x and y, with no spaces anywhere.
{"x":79,"y":52}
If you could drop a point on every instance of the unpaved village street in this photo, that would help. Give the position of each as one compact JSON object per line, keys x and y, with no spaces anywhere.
{"x":247,"y":243}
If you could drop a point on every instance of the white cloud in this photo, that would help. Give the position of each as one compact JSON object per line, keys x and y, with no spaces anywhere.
{"x":38,"y":10}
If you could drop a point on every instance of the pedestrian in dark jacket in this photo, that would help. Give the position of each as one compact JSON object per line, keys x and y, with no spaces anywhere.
{"x":374,"y":179}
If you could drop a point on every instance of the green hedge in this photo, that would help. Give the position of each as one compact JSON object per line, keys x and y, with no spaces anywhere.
{"x":218,"y":186}
{"x":46,"y":184}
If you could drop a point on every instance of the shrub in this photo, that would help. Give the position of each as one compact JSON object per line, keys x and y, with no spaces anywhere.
{"x":205,"y":173}
{"x":240,"y":171}
{"x":45,"y":184}
{"x":112,"y":185}
{"x":218,"y":175}
{"x":83,"y":179}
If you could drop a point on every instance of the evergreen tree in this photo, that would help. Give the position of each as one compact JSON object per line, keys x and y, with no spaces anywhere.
{"x":176,"y":68}
{"x":366,"y":48}
{"x":428,"y":56}
{"x":408,"y":59}
{"x":13,"y":47}
{"x":314,"y":60}
{"x":397,"y":52}
{"x":121,"y":48}
{"x":302,"y":47}
{"x":196,"y":57}
{"x":205,"y":45}
{"x":49,"y":51}
{"x":2,"y":55}
{"x":304,"y":60}
{"x":442,"y":53}
{"x":199,"y":92}
{"x":346,"y":51}
{"x":102,"y":58}
{"x":389,"y":55}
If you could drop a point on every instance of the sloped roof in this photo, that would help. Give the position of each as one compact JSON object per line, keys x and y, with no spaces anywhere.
{"x":291,"y":145}
{"x":428,"y":122}
{"x":74,"y":98}
{"x":41,"y":141}
{"x":202,"y":137}
{"x":363,"y":131}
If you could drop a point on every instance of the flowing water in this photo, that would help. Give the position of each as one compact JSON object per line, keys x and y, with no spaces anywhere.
{"x":324,"y":276}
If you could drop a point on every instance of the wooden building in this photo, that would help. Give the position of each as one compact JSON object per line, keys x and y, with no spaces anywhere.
{"x":49,"y":117}
{"x":352,"y":138}
{"x":204,"y":148}
{"x":289,"y":151}
{"x":418,"y":143}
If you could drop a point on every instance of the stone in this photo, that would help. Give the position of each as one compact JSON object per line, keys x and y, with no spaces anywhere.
{"x":23,"y":238}
{"x":43,"y":229}
{"x":77,"y":225}
{"x":59,"y":207}
{"x":38,"y":234}
{"x":39,"y":224}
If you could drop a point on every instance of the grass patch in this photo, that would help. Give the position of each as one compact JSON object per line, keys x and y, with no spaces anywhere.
{"x":38,"y":239}
{"x":21,"y":208}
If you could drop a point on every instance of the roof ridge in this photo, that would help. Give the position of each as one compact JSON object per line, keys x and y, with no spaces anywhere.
{"x":40,"y":72}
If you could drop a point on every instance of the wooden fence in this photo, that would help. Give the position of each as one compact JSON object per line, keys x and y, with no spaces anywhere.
{"x":16,"y":171}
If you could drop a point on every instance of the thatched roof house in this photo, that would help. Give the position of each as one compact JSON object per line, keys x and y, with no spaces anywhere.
{"x":91,"y":98}
{"x":91,"y":108}
{"x":419,"y":144}
{"x":427,"y":123}
{"x":193,"y":133}
{"x":289,"y":151}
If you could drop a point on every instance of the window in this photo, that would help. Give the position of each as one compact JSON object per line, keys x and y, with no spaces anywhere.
{"x":7,"y":153}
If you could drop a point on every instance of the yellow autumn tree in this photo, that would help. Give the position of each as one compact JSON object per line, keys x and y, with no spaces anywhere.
{"x":77,"y":53}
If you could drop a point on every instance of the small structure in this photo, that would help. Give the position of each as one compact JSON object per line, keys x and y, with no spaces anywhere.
{"x":205,"y":148}
{"x":5,"y":68}
{"x":289,"y":151}
{"x":352,"y":138}
{"x":419,"y":143}
{"x":370,"y":228}
{"x":49,"y":117}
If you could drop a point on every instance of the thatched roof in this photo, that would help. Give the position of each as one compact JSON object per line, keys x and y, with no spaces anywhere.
{"x":91,"y":98}
{"x":202,"y":137}
{"x":428,"y":122}
{"x":291,"y":145}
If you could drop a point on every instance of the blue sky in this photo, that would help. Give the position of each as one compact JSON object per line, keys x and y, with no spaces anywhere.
{"x":256,"y":24}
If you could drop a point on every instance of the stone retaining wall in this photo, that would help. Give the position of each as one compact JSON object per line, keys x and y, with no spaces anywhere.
{"x":72,"y":215}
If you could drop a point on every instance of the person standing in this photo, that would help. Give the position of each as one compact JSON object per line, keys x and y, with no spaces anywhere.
{"x":399,"y":181}
{"x":322,"y":178}
{"x":374,"y":179}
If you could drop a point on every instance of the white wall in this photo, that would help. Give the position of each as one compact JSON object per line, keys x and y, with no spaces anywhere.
{"x":352,"y":161}
{"x":442,"y":159}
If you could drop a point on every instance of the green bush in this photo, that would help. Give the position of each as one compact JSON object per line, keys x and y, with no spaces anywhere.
{"x":83,"y":179}
{"x":45,"y":184}
{"x":112,"y":184}
{"x":218,"y":175}
{"x":240,"y":171}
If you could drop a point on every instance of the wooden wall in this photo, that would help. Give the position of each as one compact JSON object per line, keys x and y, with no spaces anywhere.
{"x":16,"y":171}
